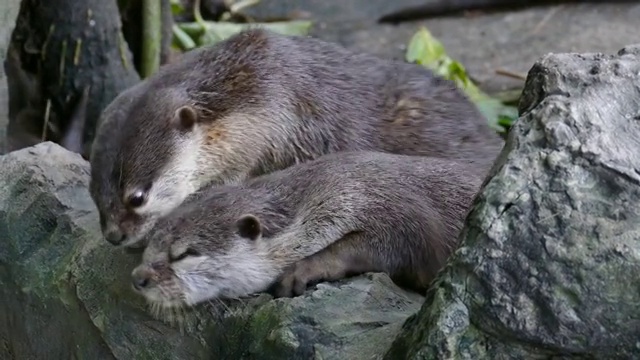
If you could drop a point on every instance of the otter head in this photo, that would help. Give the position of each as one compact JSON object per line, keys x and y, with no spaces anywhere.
{"x":216,"y":116}
{"x":186,"y":262}
{"x":144,"y":162}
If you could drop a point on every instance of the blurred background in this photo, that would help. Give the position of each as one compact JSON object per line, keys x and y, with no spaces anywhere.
{"x":70,"y":58}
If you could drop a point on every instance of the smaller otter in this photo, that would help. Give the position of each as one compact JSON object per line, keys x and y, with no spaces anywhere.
{"x":339,"y":215}
{"x":259,"y":102}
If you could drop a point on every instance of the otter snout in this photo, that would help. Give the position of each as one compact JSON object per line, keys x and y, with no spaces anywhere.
{"x":141,"y":277}
{"x":115,"y":236}
{"x":140,"y":283}
{"x":125,"y":233}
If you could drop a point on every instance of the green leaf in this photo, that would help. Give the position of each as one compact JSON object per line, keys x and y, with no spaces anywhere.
{"x":211,"y":32}
{"x":182,"y":39}
{"x":176,"y":7}
{"x":424,"y":49}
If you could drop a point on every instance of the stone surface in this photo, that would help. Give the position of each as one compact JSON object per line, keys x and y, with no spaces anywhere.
{"x":334,"y":11}
{"x":511,"y":40}
{"x":352,"y":319}
{"x":65,"y":292}
{"x":550,"y":255}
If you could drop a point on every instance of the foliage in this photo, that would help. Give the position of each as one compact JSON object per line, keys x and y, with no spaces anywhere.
{"x":426,"y":50}
{"x":209,"y":32}
{"x":201,"y":33}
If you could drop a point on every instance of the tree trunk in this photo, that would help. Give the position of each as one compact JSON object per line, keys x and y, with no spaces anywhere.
{"x":59,"y":50}
{"x":9,"y":12}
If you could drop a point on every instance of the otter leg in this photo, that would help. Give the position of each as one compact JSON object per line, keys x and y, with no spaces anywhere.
{"x":350,"y":255}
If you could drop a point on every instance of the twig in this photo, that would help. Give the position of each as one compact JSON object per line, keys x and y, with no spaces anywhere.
{"x":511,"y":74}
{"x":546,"y":19}
{"x":47,"y":114}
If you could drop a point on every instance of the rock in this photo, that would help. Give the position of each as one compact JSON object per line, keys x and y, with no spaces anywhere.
{"x":484,"y":42}
{"x":335,"y":11}
{"x":511,"y":40}
{"x":65,"y":291}
{"x":550,"y":255}
{"x":352,"y":319}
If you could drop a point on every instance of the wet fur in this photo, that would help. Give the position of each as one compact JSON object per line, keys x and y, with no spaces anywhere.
{"x":266,"y":102}
{"x":406,"y":212}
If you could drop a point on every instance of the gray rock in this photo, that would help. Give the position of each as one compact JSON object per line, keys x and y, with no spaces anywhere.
{"x":484,"y":43}
{"x":550,"y":258}
{"x":65,"y":292}
{"x":352,"y":319}
{"x":335,"y":11}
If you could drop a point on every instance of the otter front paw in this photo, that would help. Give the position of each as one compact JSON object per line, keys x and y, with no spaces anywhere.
{"x":295,"y":280}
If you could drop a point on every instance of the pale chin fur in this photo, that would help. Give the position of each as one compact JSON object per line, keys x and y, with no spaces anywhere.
{"x":176,"y":183}
{"x":191,"y":169}
{"x":239,"y":273}
{"x":179,"y":179}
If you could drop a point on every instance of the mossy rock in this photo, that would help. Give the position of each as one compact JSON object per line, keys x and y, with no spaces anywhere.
{"x":550,"y":258}
{"x":66,"y":292}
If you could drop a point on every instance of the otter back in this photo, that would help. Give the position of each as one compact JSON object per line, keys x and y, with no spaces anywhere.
{"x":260,"y":102}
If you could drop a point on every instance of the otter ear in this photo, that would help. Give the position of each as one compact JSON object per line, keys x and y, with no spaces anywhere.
{"x":185,"y":118}
{"x":248,"y":226}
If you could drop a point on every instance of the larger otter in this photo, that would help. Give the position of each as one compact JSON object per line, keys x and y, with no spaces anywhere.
{"x":340,"y":215}
{"x":260,"y":102}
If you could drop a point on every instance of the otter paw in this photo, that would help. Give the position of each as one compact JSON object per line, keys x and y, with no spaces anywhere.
{"x":295,"y":280}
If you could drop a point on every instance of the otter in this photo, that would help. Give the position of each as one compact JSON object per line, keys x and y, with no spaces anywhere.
{"x":340,"y":215}
{"x":260,"y":102}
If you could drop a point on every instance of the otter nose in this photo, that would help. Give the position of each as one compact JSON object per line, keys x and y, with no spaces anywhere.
{"x":140,"y":280}
{"x":115,"y":237}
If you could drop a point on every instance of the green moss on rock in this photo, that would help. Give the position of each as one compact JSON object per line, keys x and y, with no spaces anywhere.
{"x":66,"y":292}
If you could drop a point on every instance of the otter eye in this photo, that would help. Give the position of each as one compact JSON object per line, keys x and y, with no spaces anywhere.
{"x":184,"y":254}
{"x":136,"y":199}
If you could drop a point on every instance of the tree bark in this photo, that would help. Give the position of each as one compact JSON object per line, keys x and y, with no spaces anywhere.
{"x":9,"y":12}
{"x":67,"y":48}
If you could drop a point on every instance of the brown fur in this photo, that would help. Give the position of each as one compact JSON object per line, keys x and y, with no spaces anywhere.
{"x":340,"y":215}
{"x":265,"y":102}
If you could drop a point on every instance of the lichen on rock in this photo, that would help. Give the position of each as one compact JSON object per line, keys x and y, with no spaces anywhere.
{"x":550,"y":254}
